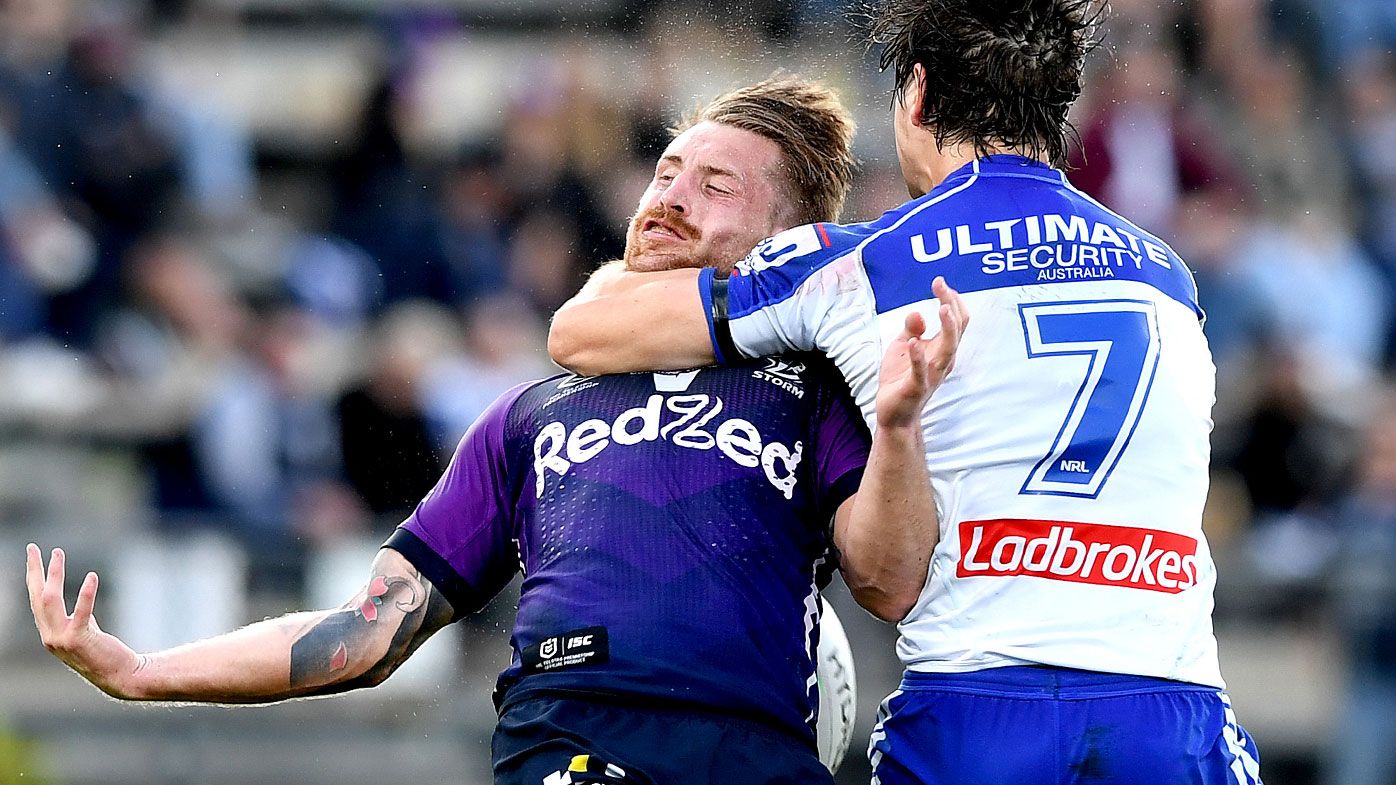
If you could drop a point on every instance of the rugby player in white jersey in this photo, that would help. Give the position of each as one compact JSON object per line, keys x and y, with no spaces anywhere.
{"x":1064,"y":632}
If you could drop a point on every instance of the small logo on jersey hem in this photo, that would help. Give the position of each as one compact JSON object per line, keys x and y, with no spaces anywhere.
{"x":782,"y":374}
{"x":1099,"y":554}
{"x":570,"y":385}
{"x":587,"y":646}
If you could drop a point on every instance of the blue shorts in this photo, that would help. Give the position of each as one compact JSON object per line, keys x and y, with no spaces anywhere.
{"x":574,"y":740}
{"x":1053,"y":726}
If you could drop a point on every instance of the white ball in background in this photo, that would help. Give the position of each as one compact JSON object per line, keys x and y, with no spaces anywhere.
{"x":838,"y":691}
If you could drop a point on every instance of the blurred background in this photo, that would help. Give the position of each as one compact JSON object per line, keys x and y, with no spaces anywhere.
{"x":262,"y":262}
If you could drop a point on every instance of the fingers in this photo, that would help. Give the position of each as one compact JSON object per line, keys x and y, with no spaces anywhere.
{"x":87,"y":597}
{"x":920,"y":371}
{"x":34,"y":576}
{"x":950,"y":325}
{"x":953,"y":318}
{"x":55,"y":567}
{"x":929,"y":361}
{"x":944,"y":293}
{"x":913,"y":327}
{"x":948,"y":342}
{"x":46,"y":599}
{"x":55,"y":604}
{"x":53,"y":589}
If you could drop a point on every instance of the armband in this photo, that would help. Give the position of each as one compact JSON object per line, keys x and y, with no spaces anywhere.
{"x":724,"y":348}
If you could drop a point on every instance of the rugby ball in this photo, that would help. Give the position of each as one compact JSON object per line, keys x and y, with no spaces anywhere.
{"x":838,"y":691}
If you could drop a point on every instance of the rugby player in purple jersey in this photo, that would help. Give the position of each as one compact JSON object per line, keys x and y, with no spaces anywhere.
{"x":673,"y":529}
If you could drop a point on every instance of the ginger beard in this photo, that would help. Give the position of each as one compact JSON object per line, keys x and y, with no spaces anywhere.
{"x":645,"y":254}
{"x":717,"y":191}
{"x":692,"y":248}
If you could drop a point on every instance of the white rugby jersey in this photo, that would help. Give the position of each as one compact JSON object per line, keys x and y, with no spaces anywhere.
{"x":1068,"y":449}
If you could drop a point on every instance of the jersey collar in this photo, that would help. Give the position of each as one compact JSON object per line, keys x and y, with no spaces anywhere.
{"x":1001,"y":164}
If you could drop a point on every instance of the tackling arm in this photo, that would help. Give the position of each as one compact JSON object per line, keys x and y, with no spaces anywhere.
{"x":886,"y":532}
{"x":302,"y":654}
{"x":625,"y":321}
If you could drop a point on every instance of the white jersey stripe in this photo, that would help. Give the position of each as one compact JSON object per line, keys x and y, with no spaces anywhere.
{"x":1244,"y":765}
{"x":879,"y":733}
{"x":812,"y":601}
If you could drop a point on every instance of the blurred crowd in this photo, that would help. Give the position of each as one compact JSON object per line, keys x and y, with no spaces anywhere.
{"x":284,"y":343}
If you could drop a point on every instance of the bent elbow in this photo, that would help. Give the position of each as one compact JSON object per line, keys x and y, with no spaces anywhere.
{"x":887,"y":606}
{"x":560,"y":349}
{"x":893,"y":612}
{"x":565,"y":346}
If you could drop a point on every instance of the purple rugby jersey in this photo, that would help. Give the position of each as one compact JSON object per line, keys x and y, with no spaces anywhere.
{"x":673,"y":530}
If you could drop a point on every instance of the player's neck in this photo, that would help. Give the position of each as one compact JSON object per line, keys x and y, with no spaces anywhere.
{"x":945,"y":161}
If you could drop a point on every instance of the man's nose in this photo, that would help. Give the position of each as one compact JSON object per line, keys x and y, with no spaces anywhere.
{"x":678,"y":196}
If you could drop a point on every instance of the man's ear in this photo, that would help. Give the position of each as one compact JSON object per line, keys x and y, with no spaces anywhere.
{"x":915,"y":95}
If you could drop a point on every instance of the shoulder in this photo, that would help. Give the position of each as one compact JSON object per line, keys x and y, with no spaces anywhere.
{"x":779,"y":266}
{"x":812,"y":246}
{"x":1178,"y":277}
{"x":809,"y":246}
{"x":520,"y":402}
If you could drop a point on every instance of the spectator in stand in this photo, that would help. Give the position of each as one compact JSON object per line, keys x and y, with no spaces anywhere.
{"x":303,"y":355}
{"x":1291,"y":458}
{"x":1211,"y":225}
{"x":1292,"y":157}
{"x":504,"y":342}
{"x":1371,"y":148}
{"x":471,"y":224}
{"x":1346,"y":26}
{"x":381,"y":203}
{"x":1234,"y":33}
{"x":1141,"y":151}
{"x":1363,"y":751}
{"x":541,"y":167}
{"x":1310,"y":249}
{"x":390,"y":458}
{"x":545,"y":261}
{"x":43,"y":249}
{"x":208,"y":436}
{"x":96,"y":135}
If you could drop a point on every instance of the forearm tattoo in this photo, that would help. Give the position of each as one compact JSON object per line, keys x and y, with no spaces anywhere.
{"x":340,"y":651}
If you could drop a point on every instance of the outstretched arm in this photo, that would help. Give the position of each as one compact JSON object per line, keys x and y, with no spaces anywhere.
{"x":625,"y":321}
{"x":302,"y":654}
{"x":886,"y":532}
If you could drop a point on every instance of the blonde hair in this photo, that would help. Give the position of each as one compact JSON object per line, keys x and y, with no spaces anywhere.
{"x":809,"y":124}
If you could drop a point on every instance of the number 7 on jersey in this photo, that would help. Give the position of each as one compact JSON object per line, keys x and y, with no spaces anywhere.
{"x":1120,"y":338}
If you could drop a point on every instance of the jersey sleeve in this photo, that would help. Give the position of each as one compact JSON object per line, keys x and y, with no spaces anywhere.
{"x":841,"y":443}
{"x":461,"y":535}
{"x":776,"y":298}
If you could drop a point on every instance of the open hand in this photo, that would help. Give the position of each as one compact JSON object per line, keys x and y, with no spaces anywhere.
{"x":75,"y":638}
{"x":913,"y":367}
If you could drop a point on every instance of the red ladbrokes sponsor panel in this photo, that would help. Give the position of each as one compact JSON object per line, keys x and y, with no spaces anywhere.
{"x":1079,"y":552}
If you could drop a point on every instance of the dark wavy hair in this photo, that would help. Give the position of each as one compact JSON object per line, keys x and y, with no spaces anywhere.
{"x":999,"y":73}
